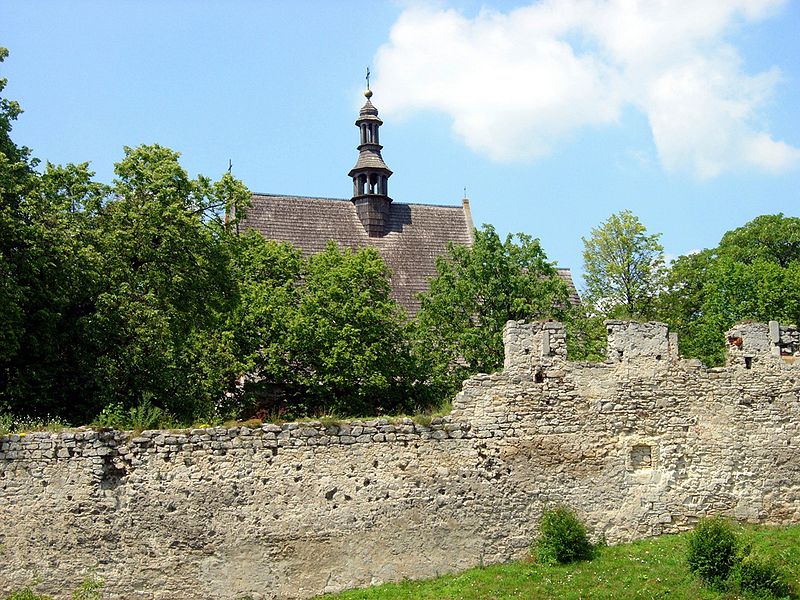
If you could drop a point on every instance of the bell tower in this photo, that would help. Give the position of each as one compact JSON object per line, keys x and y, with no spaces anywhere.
{"x":370,"y":174}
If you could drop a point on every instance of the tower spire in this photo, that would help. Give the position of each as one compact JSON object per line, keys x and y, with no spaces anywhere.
{"x":370,"y":174}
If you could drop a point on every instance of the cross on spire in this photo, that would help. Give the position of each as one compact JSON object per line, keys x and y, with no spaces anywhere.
{"x":367,"y":77}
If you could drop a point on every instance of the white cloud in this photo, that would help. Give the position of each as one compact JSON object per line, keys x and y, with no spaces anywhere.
{"x":518,"y":84}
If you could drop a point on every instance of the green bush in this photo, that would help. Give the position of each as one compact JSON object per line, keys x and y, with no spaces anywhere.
{"x":562,"y":537}
{"x":712,"y":550}
{"x":88,"y":590}
{"x":146,"y":416}
{"x":762,"y":578}
{"x":6,"y":423}
{"x":27,"y":594}
{"x":112,"y":416}
{"x":142,"y":416}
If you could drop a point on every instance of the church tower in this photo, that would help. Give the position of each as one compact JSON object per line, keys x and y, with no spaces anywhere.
{"x":371,"y":175}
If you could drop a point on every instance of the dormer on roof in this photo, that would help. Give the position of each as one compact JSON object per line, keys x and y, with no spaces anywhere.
{"x":370,"y":174}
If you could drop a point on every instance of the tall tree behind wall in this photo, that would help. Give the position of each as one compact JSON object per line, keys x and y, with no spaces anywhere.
{"x":320,"y":335}
{"x":477,"y":289}
{"x":47,"y":278}
{"x":166,"y":290}
{"x":754,"y":273}
{"x":624,"y":267}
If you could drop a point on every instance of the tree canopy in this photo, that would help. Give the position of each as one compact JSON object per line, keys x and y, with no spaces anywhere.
{"x":320,"y":335}
{"x":623,"y":266}
{"x":476,"y":290}
{"x":754,"y":273}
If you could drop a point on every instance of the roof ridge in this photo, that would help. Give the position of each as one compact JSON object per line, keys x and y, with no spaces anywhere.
{"x":263,"y":195}
{"x":298,"y":196}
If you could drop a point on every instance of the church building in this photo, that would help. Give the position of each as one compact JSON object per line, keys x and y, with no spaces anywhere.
{"x":409,"y":237}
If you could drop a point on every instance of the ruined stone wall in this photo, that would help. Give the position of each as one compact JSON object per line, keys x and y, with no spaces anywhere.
{"x":640,"y":445}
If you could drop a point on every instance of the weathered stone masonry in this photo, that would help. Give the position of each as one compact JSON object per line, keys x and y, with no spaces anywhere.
{"x":643,"y":444}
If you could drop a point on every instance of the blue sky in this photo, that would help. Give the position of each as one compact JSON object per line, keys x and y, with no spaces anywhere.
{"x":553,"y":114}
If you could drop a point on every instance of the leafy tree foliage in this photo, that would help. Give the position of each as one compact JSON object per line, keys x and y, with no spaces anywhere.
{"x":45,"y":276}
{"x":56,"y":274}
{"x":268,"y":275}
{"x":623,"y":267}
{"x":16,"y":178}
{"x":476,"y":290}
{"x":754,"y":273}
{"x":349,"y":335}
{"x":771,"y":238}
{"x":322,"y":335}
{"x":166,"y":288}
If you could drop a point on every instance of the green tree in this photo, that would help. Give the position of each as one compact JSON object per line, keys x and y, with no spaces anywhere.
{"x":754,"y":273}
{"x":772,"y":238}
{"x":269,"y":277}
{"x":319,"y":335}
{"x":16,"y":180}
{"x":56,"y":272}
{"x":623,"y":267}
{"x":166,"y":289}
{"x":349,"y":336}
{"x":458,"y":329}
{"x":47,"y":274}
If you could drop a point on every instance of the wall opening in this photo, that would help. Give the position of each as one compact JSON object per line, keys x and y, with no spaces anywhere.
{"x":642,"y":457}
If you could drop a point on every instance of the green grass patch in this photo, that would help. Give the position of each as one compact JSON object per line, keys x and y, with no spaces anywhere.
{"x":653,"y":568}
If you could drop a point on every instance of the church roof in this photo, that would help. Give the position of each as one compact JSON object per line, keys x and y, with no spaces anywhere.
{"x":416,"y":234}
{"x":566,"y":276}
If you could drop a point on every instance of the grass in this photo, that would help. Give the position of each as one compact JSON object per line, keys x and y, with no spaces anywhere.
{"x":146,"y":416}
{"x":12,"y":424}
{"x":654,"y":568}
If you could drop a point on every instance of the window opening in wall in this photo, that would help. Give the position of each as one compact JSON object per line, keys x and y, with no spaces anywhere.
{"x":748,"y":362}
{"x":642,"y":457}
{"x":539,"y":377}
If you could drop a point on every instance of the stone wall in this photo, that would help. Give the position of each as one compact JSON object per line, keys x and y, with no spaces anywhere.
{"x":642,"y":444}
{"x":748,"y":341}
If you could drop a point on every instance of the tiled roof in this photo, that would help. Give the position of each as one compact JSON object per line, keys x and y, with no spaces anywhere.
{"x":417,"y":234}
{"x":566,"y":277}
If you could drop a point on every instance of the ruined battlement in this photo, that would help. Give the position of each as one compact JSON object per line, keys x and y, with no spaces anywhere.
{"x":749,"y":343}
{"x":641,"y":444}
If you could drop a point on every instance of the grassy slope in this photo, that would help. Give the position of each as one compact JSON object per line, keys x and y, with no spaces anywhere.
{"x":654,"y":568}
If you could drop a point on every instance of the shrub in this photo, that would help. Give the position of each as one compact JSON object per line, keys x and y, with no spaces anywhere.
{"x":112,"y":416}
{"x":712,"y":550}
{"x":142,"y":416}
{"x":27,"y":594}
{"x":763,"y":578}
{"x":6,"y":423}
{"x":562,"y":537}
{"x":146,"y":416}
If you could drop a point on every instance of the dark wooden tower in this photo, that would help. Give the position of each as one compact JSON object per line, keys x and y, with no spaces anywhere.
{"x":371,"y":175}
